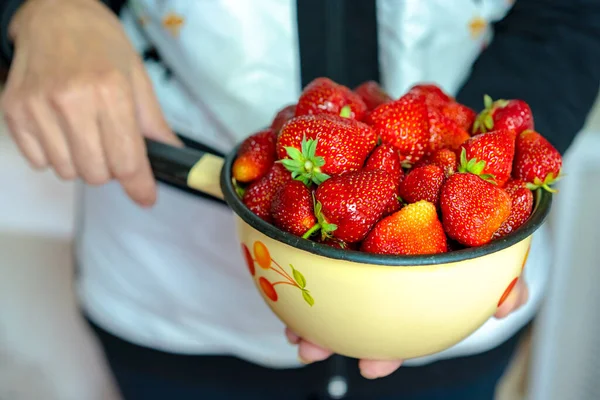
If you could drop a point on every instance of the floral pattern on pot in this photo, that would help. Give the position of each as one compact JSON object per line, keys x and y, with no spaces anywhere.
{"x":260,"y":255}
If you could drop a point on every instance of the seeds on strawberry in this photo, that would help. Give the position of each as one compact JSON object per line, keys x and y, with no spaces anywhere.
{"x":385,"y":157}
{"x":444,"y":132}
{"x":314,"y":147}
{"x":283,"y":116}
{"x":536,"y":162}
{"x":423,"y":183}
{"x":372,"y":94}
{"x":324,"y":96}
{"x":433,"y":95}
{"x":473,"y":209}
{"x":461,"y":114}
{"x":445,"y":159}
{"x":353,"y":202}
{"x":521,"y":207}
{"x":512,"y":115}
{"x":292,"y":208}
{"x":259,"y":195}
{"x":255,"y":157}
{"x":403,"y":124}
{"x":413,"y":230}
{"x":496,"y":149}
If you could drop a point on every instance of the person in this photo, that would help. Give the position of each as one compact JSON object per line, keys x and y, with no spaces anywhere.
{"x":160,"y":277}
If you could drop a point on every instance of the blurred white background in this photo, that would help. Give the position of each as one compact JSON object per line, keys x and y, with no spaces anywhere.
{"x":47,"y":353}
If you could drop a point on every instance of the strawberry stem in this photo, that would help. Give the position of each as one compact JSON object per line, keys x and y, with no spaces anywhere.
{"x":474,"y":166}
{"x":304,"y":164}
{"x":312,"y":230}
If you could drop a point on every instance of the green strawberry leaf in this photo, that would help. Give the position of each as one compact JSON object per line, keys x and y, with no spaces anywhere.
{"x":346,"y":112}
{"x":294,"y":153}
{"x":488,"y":122}
{"x":308,"y":298}
{"x":487,"y":101}
{"x":298,"y":277}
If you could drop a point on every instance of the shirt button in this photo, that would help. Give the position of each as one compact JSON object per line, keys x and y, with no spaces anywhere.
{"x":337,"y":387}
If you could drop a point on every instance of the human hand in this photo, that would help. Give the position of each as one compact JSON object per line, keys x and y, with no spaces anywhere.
{"x":78,"y":99}
{"x":372,"y":369}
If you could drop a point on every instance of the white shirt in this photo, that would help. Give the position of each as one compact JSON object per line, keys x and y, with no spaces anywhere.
{"x":172,"y":277}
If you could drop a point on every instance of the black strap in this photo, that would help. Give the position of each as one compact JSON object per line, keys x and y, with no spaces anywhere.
{"x":338,"y":39}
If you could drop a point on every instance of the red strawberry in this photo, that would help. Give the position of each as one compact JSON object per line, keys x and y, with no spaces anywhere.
{"x":259,"y":195}
{"x":283,"y":116}
{"x":316,"y":146}
{"x":473,"y":209}
{"x":434,"y":96}
{"x":413,"y":230}
{"x":445,"y":159}
{"x":324,"y":96}
{"x":444,"y":132}
{"x":372,"y":94}
{"x":386,"y":158}
{"x":348,"y":205}
{"x":403,"y":124}
{"x":512,"y":115}
{"x":461,"y":114}
{"x":292,"y":208}
{"x":496,"y":149}
{"x":536,"y":162}
{"x":255,"y":157}
{"x":423,"y":183}
{"x":522,"y":206}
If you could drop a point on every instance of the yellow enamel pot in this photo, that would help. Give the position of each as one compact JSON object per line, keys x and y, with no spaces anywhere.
{"x":357,"y":304}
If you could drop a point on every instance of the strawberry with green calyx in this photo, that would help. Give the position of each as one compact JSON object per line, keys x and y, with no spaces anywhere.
{"x":353,"y":202}
{"x":521,"y":208}
{"x":292,"y":208}
{"x":423,"y":183}
{"x":340,"y":145}
{"x":304,"y":164}
{"x":255,"y":156}
{"x":513,"y":115}
{"x":372,"y":94}
{"x":473,"y":209}
{"x":497,"y":149}
{"x":536,"y":162}
{"x":324,"y":96}
{"x":413,"y":230}
{"x":475,"y":167}
{"x":259,"y":195}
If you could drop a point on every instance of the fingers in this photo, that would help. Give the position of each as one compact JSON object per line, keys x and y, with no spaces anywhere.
{"x":122,"y":141}
{"x":373,"y":369}
{"x":309,"y":353}
{"x":149,"y":113}
{"x":517,"y":297}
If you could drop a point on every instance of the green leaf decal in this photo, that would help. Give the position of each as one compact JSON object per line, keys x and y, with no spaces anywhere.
{"x":308,"y":298}
{"x":298,"y":277}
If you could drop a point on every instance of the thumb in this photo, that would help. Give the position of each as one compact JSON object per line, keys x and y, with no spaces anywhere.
{"x":152,"y":122}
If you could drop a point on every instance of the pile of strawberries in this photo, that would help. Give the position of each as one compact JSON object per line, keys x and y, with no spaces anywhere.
{"x":422,"y":174}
